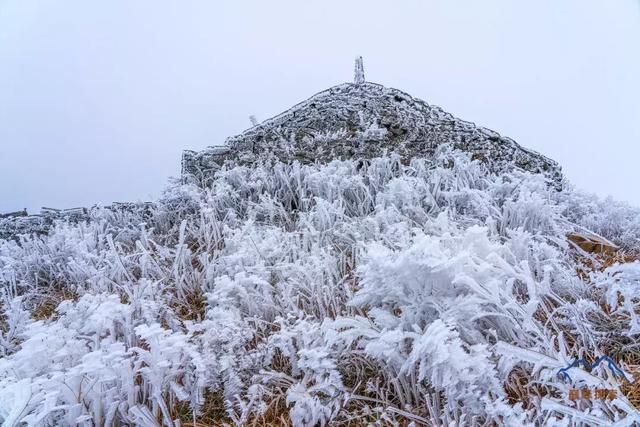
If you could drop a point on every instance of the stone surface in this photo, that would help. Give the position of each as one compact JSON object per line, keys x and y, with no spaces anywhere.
{"x":363,"y":120}
{"x":19,"y":223}
{"x":353,"y":120}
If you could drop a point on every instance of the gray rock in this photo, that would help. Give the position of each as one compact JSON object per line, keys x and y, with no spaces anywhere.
{"x":363,"y":120}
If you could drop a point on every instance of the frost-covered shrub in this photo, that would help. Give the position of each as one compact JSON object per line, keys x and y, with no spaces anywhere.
{"x":617,"y":221}
{"x":351,"y":292}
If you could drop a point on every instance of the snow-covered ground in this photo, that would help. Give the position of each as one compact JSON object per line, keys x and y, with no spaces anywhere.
{"x":376,"y":292}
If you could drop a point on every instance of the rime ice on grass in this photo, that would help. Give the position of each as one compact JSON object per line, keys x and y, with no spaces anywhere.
{"x":434,"y":289}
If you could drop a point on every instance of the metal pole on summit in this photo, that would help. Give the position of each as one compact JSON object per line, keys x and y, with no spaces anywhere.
{"x":358,"y":77}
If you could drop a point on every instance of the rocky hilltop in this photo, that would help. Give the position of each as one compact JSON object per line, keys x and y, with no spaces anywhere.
{"x":359,"y":292}
{"x":363,"y":120}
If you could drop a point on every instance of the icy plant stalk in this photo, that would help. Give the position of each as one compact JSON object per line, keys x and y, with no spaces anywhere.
{"x":353,"y":291}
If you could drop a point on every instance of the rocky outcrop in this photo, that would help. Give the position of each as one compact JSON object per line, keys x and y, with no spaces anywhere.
{"x":363,"y":120}
{"x":358,"y":120}
{"x":20,"y":223}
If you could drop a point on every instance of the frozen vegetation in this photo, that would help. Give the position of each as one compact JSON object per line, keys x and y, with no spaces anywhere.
{"x":432,"y":292}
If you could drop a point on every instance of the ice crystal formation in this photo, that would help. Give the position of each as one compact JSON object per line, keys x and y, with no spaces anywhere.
{"x":364,"y":120}
{"x":361,"y":259}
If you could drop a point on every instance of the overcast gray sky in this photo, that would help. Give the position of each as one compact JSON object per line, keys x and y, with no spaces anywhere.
{"x":97,"y":99}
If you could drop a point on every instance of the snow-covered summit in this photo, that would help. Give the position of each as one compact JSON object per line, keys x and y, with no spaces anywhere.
{"x":363,"y":120}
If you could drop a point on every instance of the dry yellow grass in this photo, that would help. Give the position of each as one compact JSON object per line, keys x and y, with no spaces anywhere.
{"x":631,"y":390}
{"x":46,"y":306}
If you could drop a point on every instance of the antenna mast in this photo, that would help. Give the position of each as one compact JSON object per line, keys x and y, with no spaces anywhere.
{"x":358,"y":76}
